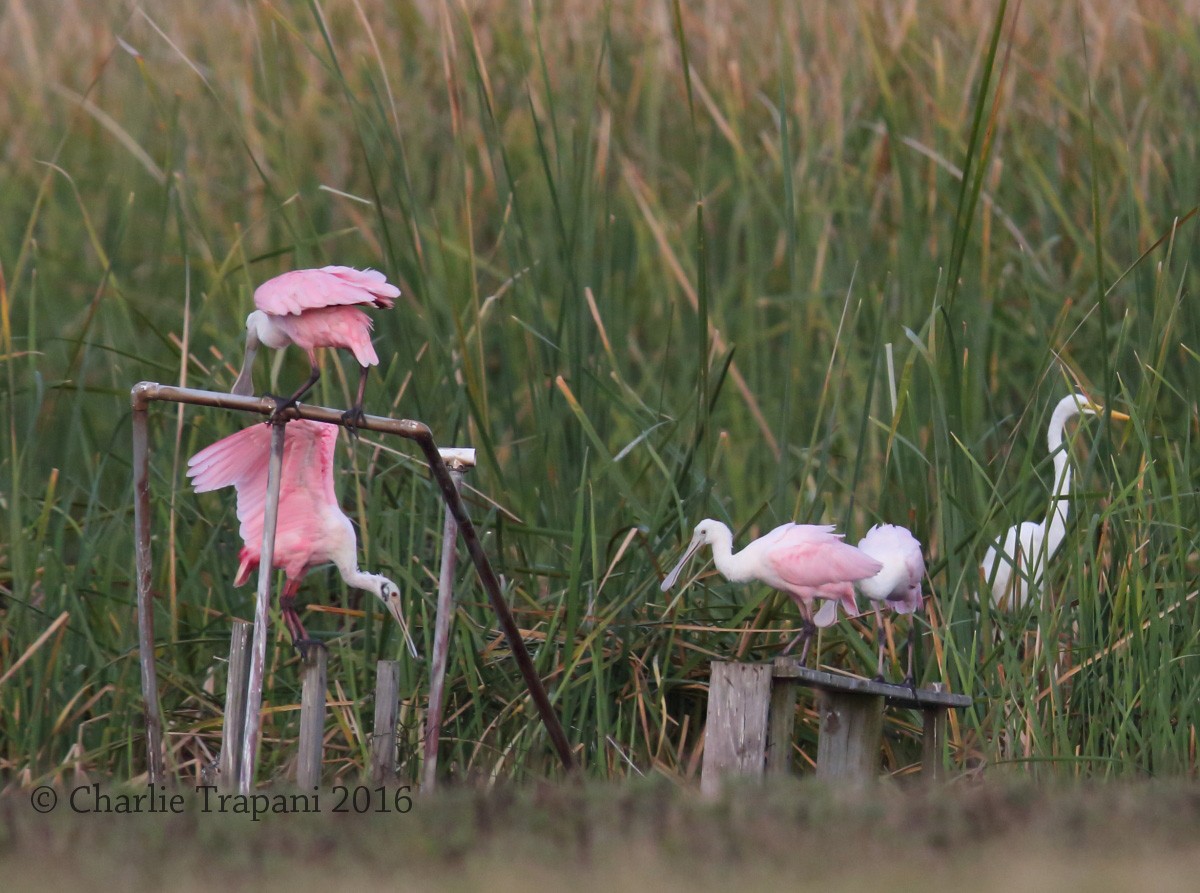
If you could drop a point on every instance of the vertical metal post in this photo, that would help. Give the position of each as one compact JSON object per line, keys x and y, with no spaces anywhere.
{"x":145,"y":598}
{"x":234,"y":725}
{"x":147,"y":391}
{"x":491,"y":585}
{"x":457,"y":462}
{"x":258,"y":655}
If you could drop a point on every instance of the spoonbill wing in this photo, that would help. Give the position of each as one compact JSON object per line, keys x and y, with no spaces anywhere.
{"x":333,"y":286}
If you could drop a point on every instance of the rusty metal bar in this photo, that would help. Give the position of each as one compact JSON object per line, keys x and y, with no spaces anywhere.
{"x":145,"y":392}
{"x":258,"y":651}
{"x":145,"y":599}
{"x":491,"y":585}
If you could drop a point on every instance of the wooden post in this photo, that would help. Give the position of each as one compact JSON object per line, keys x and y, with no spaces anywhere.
{"x":933,"y":739}
{"x":234,"y":723}
{"x":781,"y":725}
{"x":457,"y":461}
{"x":383,"y":736}
{"x":735,"y":737}
{"x":933,"y":744}
{"x":258,"y":656}
{"x":312,"y":716}
{"x":741,"y":725}
{"x":850,"y":736}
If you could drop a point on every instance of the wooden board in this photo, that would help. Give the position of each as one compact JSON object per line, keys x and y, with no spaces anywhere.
{"x":895,"y":695}
{"x":735,"y":739}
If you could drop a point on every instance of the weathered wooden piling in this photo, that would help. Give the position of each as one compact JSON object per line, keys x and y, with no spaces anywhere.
{"x":850,"y":735}
{"x":313,"y":674}
{"x":735,"y":738}
{"x":383,"y":734}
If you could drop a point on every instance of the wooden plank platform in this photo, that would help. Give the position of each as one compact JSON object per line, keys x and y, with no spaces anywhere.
{"x":894,"y":695}
{"x":751,"y":719}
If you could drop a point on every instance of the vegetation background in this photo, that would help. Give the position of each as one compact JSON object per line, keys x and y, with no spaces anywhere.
{"x":661,"y":261}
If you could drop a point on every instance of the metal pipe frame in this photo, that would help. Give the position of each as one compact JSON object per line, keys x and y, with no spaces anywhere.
{"x":146,"y":392}
{"x":441,"y":643}
{"x":252,"y":726}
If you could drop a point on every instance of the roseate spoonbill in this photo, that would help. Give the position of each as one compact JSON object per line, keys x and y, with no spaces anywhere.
{"x":312,"y":529}
{"x":806,"y":561}
{"x":317,"y":308}
{"x":897,"y":585}
{"x":1026,"y":548}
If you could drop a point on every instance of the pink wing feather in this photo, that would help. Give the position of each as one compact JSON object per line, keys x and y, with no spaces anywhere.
{"x":300,"y":290}
{"x":306,"y":489}
{"x":346,"y":327}
{"x":810,"y":555}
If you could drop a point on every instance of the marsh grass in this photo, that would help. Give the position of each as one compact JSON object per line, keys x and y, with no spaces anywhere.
{"x":660,"y":262}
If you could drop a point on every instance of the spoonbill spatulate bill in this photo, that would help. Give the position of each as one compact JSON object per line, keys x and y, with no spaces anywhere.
{"x":808,"y":562}
{"x":312,"y":309}
{"x":311,"y":529}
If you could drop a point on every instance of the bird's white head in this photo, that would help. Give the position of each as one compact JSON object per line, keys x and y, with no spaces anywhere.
{"x":382,"y":588}
{"x":1068,"y":407}
{"x":707,"y":532}
{"x":388,"y":593}
{"x":1083,"y":404}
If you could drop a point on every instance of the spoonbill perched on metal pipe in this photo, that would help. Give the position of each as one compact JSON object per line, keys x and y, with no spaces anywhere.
{"x":806,"y":561}
{"x":898,"y":583}
{"x":312,"y":529}
{"x":1016,"y":565}
{"x":317,"y":308}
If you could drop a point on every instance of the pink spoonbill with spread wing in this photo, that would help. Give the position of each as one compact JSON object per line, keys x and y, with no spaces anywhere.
{"x":898,"y":583}
{"x":311,"y":530}
{"x":317,"y":308}
{"x":806,"y":561}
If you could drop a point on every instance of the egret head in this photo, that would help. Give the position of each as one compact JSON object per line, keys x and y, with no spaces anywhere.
{"x":1070,"y":406}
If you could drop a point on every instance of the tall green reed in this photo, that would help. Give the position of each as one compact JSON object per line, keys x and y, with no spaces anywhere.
{"x":658,"y":264}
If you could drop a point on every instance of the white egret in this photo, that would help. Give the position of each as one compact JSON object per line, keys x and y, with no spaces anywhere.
{"x":1015,"y":566}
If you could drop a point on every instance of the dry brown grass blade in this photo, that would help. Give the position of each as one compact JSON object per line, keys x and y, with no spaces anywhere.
{"x":37,"y":643}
